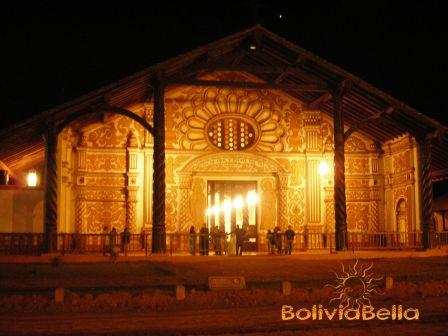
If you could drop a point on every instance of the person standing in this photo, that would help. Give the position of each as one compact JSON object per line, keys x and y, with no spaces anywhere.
{"x":278,"y":239}
{"x":270,"y":241}
{"x":203,"y":238}
{"x":192,"y":241}
{"x":125,"y":240}
{"x":113,"y":243}
{"x":289,"y":235}
{"x":104,"y":235}
{"x":240,"y":235}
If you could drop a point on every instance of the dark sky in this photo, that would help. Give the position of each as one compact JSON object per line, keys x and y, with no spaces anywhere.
{"x":51,"y":54}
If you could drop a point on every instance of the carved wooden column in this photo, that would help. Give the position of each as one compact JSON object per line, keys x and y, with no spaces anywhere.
{"x":158,"y":204}
{"x":426,"y":195}
{"x":51,"y":188}
{"x":340,"y":206}
{"x":282,"y":221}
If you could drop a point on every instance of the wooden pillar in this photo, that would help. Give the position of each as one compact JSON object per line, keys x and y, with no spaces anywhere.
{"x":51,"y":188}
{"x":158,"y":218}
{"x":426,"y":195}
{"x":443,"y":221}
{"x":340,"y":207}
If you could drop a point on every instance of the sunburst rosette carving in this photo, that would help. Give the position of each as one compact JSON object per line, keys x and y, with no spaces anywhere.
{"x":254,"y":108}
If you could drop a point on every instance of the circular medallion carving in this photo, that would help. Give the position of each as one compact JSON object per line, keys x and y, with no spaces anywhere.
{"x":230,"y":132}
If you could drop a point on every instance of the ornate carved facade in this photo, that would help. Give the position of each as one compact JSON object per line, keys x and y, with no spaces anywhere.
{"x":230,"y":134}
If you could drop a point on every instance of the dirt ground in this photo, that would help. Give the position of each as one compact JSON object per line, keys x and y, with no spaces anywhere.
{"x":196,"y":270}
{"x":264,"y":319}
{"x":242,"y":321}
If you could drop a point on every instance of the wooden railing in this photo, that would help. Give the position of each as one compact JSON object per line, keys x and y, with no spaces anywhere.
{"x":178,"y":243}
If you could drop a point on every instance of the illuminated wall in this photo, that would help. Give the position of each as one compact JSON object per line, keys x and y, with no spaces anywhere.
{"x":105,"y":167}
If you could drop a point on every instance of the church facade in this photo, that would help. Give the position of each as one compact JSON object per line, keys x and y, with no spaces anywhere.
{"x":257,"y":157}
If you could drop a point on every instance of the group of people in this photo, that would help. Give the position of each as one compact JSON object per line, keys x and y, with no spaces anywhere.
{"x":218,"y":238}
{"x":113,"y":248}
{"x":275,"y":240}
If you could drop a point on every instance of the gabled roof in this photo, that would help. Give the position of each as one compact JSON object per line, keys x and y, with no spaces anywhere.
{"x":292,"y":65}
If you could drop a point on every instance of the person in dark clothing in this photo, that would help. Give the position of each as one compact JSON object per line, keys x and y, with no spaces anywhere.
{"x":271,"y":242}
{"x":112,"y":243}
{"x":278,"y":239}
{"x":240,"y":235}
{"x":289,"y":235}
{"x":203,"y":239}
{"x":125,"y":240}
{"x":192,"y":241}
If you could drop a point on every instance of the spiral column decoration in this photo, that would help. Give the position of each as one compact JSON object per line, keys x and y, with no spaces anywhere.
{"x":158,"y":218}
{"x":340,"y":206}
{"x":282,"y":221}
{"x":426,"y":193}
{"x":51,"y":188}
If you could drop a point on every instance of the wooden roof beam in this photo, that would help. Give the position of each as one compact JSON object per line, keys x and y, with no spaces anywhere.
{"x":318,"y":102}
{"x":251,"y":85}
{"x":377,"y":117}
{"x":286,"y":71}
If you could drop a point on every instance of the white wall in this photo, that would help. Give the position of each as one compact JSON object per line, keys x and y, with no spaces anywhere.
{"x":21,"y":210}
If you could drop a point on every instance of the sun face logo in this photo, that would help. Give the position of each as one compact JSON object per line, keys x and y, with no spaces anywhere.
{"x":354,"y":288}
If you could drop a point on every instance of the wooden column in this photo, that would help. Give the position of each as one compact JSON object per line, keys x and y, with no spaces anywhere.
{"x":426,"y":194}
{"x":443,"y":221}
{"x":158,"y":218}
{"x":51,"y":188}
{"x":340,"y":207}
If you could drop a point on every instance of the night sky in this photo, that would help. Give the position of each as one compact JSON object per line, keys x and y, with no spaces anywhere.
{"x":52,"y":55}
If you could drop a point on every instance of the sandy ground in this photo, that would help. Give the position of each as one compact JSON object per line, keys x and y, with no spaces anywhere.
{"x":196,"y":270}
{"x":262,"y":320}
{"x":243,"y":321}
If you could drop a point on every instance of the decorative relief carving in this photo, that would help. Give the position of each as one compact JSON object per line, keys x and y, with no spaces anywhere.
{"x":355,"y":145}
{"x":357,"y":166}
{"x":232,"y":163}
{"x":113,"y":134}
{"x":80,"y":211}
{"x":402,"y":162}
{"x":268,"y":204}
{"x":101,"y":195}
{"x":357,"y":217}
{"x":296,"y":137}
{"x":329,"y":215}
{"x":282,"y":213}
{"x":198,"y":202}
{"x":105,"y":162}
{"x":356,"y":183}
{"x":402,"y":178}
{"x":327,"y":135}
{"x":104,"y":181}
{"x":358,"y":195}
{"x":374,"y":217}
{"x":298,"y":172}
{"x":131,"y":209}
{"x":312,"y":118}
{"x":171,"y":209}
{"x":100,"y":214}
{"x":296,"y":198}
{"x":202,"y":105}
{"x":169,"y":170}
{"x":313,"y":140}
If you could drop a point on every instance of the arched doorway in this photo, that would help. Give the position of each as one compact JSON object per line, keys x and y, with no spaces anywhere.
{"x":219,"y":177}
